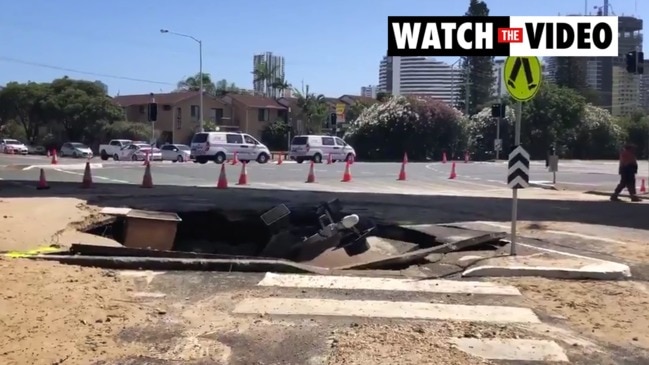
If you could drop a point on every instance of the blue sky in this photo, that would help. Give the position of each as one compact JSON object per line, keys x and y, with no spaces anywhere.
{"x":334,"y":46}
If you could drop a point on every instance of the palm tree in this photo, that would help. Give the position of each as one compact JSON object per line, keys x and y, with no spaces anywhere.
{"x":192,"y":83}
{"x":265,"y":74}
{"x":280,"y":85}
{"x":314,"y":108}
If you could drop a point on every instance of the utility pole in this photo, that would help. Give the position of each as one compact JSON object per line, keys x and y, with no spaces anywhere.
{"x":467,"y":92}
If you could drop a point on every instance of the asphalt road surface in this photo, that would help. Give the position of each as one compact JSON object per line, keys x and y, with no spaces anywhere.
{"x":573,"y":175}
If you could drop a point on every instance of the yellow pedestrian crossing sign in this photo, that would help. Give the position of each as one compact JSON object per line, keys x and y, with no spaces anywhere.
{"x":522,"y":77}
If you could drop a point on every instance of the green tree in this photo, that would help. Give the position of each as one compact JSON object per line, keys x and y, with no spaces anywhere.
{"x":78,"y":106}
{"x":314,"y":108}
{"x":275,"y":135}
{"x":122,"y":129}
{"x":635,"y":129}
{"x":553,"y":117}
{"x":223,"y":87}
{"x":352,"y":112}
{"x":193,"y":83}
{"x":382,"y":96}
{"x":25,"y":104}
{"x":478,"y":71}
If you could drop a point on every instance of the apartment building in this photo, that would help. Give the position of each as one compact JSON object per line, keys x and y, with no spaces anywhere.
{"x":274,"y":65}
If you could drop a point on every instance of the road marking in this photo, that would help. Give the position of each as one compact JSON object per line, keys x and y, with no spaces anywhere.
{"x":429,"y":167}
{"x":391,"y":284}
{"x":512,"y":349}
{"x":564,"y":233}
{"x":385,"y":309}
{"x":95,"y":177}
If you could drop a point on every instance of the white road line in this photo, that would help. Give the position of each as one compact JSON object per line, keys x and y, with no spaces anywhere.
{"x":371,"y":283}
{"x":95,"y":177}
{"x":563,"y":233}
{"x":385,"y":309}
{"x":512,"y":349}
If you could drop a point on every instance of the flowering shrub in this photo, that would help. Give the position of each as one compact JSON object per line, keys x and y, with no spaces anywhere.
{"x":422,"y":126}
{"x":597,"y":136}
{"x":482,"y":132}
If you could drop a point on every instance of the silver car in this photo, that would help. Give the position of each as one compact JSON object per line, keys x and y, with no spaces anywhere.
{"x":12,"y":146}
{"x":76,"y":150}
{"x":175,"y":152}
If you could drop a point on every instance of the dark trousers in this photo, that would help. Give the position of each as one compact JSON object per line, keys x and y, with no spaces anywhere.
{"x":627,"y":180}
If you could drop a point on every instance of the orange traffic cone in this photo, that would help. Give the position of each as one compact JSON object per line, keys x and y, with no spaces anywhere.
{"x":466,"y":157}
{"x":643,"y":188}
{"x":330,"y":159}
{"x":147,"y":179}
{"x":443,"y":157}
{"x":352,"y":159}
{"x":235,"y":159}
{"x":243,"y":177}
{"x":347,"y":175}
{"x":405,"y":158}
{"x":223,"y":179}
{"x":453,"y":174}
{"x":42,"y":183}
{"x":311,"y":177}
{"x":55,"y":160}
{"x":279,"y":160}
{"x":86,"y":182}
{"x":402,"y":173}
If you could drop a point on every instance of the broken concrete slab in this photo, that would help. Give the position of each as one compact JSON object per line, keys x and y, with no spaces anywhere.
{"x":418,"y":256}
{"x":196,"y":264}
{"x":549,"y":265}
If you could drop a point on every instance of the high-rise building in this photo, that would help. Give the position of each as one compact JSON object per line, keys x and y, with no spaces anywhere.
{"x":369,"y":91}
{"x":274,"y":67}
{"x":618,"y":90}
{"x":419,"y":76}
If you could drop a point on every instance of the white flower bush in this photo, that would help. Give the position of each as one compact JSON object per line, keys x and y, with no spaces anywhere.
{"x":419,"y":125}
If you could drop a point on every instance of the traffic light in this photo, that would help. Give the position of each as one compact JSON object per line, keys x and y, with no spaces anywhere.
{"x":640,"y":64}
{"x":498,"y":110}
{"x":333,"y":119}
{"x":153,"y":112}
{"x":630,"y":62}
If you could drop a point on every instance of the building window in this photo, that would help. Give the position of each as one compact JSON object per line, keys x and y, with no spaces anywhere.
{"x":195,"y":112}
{"x":262,"y":115}
{"x":217,"y":115}
{"x":179,"y":118}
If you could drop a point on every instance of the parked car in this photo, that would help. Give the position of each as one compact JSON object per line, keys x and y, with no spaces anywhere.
{"x":221,"y":146}
{"x":175,"y":152}
{"x":113,"y":148}
{"x":139,"y":152}
{"x":76,"y":150}
{"x":36,"y":150}
{"x":8,"y":145}
{"x":316,"y":148}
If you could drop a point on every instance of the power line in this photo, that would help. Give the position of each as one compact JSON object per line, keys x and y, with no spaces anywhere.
{"x":52,"y":67}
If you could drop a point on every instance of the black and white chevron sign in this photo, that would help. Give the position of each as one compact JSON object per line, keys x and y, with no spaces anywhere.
{"x":518,"y":173}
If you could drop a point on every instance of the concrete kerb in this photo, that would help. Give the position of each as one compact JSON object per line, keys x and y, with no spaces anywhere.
{"x":549,"y":266}
{"x":605,"y":193}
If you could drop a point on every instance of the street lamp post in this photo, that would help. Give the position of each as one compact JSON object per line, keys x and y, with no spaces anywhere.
{"x":200,"y":70}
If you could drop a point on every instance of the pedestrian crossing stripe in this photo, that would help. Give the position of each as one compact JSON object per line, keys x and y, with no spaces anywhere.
{"x":499,"y":349}
{"x":385,"y":309}
{"x":34,"y":252}
{"x":391,"y":284}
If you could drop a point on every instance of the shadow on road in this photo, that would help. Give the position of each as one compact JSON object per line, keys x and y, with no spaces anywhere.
{"x":405,"y":208}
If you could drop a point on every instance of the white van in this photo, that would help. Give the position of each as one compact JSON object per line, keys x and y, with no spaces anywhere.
{"x":221,"y":146}
{"x":318,"y":148}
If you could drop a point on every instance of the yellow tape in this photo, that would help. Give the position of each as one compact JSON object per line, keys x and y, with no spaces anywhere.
{"x":37,"y":251}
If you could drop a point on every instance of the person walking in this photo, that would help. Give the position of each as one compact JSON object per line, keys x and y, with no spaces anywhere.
{"x":628,"y":169}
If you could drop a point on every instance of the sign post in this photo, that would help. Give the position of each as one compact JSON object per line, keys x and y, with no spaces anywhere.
{"x":522,"y":87}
